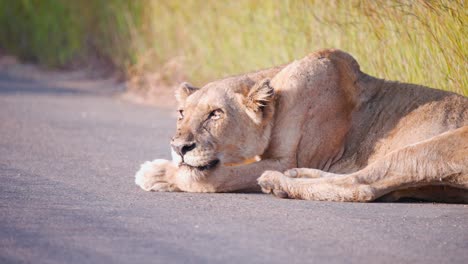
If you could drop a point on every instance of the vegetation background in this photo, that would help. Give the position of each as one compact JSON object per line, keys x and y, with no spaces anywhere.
{"x":158,"y":43}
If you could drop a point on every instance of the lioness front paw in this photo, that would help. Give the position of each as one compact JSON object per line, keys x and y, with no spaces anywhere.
{"x":274,"y":182}
{"x":154,"y":176}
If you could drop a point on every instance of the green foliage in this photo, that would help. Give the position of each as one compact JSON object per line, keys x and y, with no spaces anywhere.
{"x":56,"y":32}
{"x":412,"y":41}
{"x":47,"y":31}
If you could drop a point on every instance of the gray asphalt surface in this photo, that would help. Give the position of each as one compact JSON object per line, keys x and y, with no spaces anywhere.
{"x":67,"y":195}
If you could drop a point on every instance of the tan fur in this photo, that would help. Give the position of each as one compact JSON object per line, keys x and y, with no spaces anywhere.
{"x":352,"y":136}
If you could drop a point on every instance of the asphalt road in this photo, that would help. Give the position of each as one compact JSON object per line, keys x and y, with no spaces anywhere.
{"x":67,"y":195}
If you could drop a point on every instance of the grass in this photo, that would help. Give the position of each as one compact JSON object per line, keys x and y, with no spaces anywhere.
{"x":46,"y":31}
{"x":422,"y":42}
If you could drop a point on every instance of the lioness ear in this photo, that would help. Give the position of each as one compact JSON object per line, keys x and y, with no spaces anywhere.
{"x":184,"y":90}
{"x":260,"y":95}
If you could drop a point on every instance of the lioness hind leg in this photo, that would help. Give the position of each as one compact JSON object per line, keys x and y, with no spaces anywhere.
{"x":442,"y":160}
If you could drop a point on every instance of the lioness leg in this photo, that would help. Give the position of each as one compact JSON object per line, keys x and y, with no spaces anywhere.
{"x":442,"y":160}
{"x":163,"y":176}
{"x":228,"y":179}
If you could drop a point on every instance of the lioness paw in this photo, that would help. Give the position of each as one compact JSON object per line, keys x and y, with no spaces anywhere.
{"x":274,"y":182}
{"x":152,"y":176}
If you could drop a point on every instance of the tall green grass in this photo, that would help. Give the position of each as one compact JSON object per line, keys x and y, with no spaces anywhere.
{"x":56,"y":33}
{"x":421,"y":41}
{"x":45,"y":31}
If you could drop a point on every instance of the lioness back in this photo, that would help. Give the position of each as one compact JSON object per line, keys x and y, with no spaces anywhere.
{"x":393,"y":115}
{"x":383,"y":115}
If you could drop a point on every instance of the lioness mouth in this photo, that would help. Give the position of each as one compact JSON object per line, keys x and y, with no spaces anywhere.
{"x":208,"y":166}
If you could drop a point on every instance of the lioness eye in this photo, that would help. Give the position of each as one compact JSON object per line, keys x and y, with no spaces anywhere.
{"x":215,"y":114}
{"x":181,"y":114}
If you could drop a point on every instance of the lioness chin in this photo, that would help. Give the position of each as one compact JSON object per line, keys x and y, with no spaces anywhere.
{"x":317,"y":129}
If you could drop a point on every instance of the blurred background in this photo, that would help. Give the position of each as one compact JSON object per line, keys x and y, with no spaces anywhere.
{"x":153,"y":45}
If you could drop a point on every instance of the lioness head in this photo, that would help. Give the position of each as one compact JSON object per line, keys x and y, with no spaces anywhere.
{"x":224,"y":122}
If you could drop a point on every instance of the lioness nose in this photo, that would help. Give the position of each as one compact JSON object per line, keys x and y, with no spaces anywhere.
{"x":182,"y":148}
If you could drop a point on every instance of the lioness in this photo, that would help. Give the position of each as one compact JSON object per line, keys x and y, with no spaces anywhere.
{"x":317,"y":129}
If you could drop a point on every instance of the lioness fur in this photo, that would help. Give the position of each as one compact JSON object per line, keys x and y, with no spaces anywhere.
{"x":323,"y":130}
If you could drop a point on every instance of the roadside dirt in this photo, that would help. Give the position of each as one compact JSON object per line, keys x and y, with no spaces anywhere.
{"x":152,"y":92}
